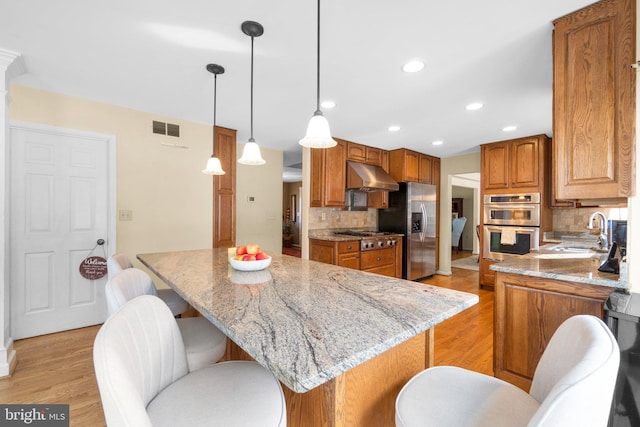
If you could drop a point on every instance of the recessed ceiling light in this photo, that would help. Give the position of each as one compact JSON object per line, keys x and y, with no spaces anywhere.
{"x":509,"y":128}
{"x":439,"y":142}
{"x":328,"y":104}
{"x":393,"y":128}
{"x":413,"y":66}
{"x":474,"y":106}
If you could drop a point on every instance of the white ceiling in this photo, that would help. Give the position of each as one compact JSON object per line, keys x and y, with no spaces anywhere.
{"x":151,"y":56}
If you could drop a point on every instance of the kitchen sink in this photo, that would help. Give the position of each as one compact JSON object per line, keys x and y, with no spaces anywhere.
{"x":566,"y":255}
{"x":561,"y":251}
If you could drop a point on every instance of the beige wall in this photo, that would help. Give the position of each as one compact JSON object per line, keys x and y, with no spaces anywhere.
{"x":260,"y":221}
{"x":171,"y":200}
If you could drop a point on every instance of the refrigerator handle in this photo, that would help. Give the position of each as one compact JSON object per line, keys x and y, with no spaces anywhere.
{"x":423,"y":232}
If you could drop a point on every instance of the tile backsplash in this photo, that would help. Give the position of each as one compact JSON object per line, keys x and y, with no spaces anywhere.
{"x":323,"y":218}
{"x":576,"y":219}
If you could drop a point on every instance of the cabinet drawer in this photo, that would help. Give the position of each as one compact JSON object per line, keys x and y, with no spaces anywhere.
{"x":385,"y":270}
{"x":350,"y":246}
{"x":377,"y":258}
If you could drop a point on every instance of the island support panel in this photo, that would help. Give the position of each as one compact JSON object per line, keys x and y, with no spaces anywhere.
{"x":364,"y":396}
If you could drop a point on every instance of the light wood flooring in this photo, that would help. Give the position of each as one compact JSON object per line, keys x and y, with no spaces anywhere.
{"x":58,"y":368}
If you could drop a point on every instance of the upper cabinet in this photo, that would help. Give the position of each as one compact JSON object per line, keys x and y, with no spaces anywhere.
{"x":328,"y":175}
{"x":515,"y":166}
{"x":594,"y":101}
{"x":364,"y":154}
{"x":411,"y":166}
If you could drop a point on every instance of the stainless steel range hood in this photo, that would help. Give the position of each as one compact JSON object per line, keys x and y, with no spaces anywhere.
{"x":363,"y":177}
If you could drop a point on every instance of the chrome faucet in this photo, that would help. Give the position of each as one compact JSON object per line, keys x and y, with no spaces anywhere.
{"x":603,"y":240}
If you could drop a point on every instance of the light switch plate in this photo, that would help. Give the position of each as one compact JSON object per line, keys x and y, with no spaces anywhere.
{"x":125,"y":215}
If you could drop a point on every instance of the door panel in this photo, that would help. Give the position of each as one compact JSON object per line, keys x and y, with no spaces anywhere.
{"x":61,"y":197}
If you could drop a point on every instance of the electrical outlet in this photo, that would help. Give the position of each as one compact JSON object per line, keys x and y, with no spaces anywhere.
{"x":125,"y":215}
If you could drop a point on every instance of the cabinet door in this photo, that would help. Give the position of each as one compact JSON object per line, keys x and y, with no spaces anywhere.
{"x":356,"y":152}
{"x":594,"y":101}
{"x":495,"y":166}
{"x":525,"y":163}
{"x":317,"y":179}
{"x":224,"y":190}
{"x":322,"y":251}
{"x":411,"y":166}
{"x":374,"y":156}
{"x":528,"y":312}
{"x":435,"y":175}
{"x":424,"y":171}
{"x":335,"y":174}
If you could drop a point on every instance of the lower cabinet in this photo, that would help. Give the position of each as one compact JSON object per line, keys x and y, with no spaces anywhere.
{"x":344,"y":254}
{"x":387,"y":261}
{"x":487,"y":276}
{"x":528,"y":310}
{"x":380,"y":261}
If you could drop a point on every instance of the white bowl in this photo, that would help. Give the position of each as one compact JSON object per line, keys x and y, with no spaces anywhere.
{"x":250,"y":265}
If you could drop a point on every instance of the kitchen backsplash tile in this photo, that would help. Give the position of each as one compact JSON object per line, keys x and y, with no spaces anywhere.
{"x":576,"y":219}
{"x":322,"y":218}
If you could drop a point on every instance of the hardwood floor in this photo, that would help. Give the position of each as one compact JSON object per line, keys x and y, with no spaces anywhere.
{"x":58,"y":368}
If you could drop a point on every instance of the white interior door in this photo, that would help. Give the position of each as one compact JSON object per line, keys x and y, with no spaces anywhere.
{"x":61,"y":204}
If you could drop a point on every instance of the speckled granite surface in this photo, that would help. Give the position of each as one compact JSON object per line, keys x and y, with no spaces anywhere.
{"x":329,"y":235}
{"x":306,"y":321}
{"x":581,"y":270}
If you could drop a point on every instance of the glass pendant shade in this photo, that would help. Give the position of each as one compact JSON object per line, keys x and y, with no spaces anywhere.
{"x":213,"y":167}
{"x":251,"y":154}
{"x":318,"y":133}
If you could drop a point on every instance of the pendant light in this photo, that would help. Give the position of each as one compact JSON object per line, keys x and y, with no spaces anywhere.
{"x":251,"y":152}
{"x":318,"y":133}
{"x":213,"y":164}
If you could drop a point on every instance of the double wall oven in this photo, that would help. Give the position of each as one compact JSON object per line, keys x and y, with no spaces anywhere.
{"x":511,"y":225}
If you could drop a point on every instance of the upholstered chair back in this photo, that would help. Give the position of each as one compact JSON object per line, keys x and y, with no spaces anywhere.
{"x":575,"y":377}
{"x":137,"y":353}
{"x":125,"y":286}
{"x":116,"y":263}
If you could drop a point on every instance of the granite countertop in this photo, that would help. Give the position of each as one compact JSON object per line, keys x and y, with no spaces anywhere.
{"x":305,"y":321}
{"x":580,"y":270}
{"x":328,"y":235}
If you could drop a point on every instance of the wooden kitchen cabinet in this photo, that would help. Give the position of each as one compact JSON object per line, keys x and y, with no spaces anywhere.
{"x":528,"y":310}
{"x":364,"y":154}
{"x":594,"y":98}
{"x":379,"y":261}
{"x":411,"y":166}
{"x":487,"y":277}
{"x":386,"y":261}
{"x":344,"y":254}
{"x":516,"y":166}
{"x":328,"y":175}
{"x":224,"y":190}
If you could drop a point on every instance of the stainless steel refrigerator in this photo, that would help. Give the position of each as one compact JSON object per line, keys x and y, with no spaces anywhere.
{"x":412,"y":212}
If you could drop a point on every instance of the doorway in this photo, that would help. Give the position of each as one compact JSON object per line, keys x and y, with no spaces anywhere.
{"x":62,"y":201}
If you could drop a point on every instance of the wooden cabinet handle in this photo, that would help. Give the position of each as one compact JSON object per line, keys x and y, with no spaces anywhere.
{"x":349,"y":247}
{"x":378,"y":259}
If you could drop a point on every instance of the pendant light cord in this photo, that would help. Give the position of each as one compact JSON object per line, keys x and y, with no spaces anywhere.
{"x":215,"y":83}
{"x":251,"y":138}
{"x":318,"y":68}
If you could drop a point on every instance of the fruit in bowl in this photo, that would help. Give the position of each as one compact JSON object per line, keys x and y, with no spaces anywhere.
{"x":250,"y":258}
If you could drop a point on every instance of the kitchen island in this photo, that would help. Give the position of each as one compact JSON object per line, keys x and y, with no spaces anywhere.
{"x":342,"y":341}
